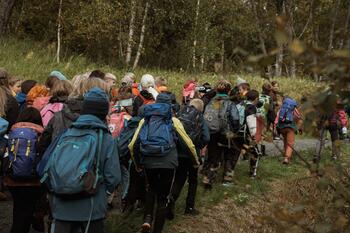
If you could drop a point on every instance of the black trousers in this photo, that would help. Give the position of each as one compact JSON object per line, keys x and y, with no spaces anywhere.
{"x":96,"y":226}
{"x":160,"y":182}
{"x":220,"y":153}
{"x":186,"y":171}
{"x":25,"y":200}
{"x":137,"y":186}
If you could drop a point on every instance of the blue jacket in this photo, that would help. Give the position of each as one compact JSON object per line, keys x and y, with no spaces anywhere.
{"x":79,"y":210}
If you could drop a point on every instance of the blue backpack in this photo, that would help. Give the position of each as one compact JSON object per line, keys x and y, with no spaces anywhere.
{"x":22,"y":152}
{"x":73,"y":165}
{"x":287,"y":109}
{"x":3,"y":141}
{"x":157,"y":133}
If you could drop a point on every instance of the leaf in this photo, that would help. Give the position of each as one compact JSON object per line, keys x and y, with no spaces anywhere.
{"x":341,"y":53}
{"x":297,"y":48}
{"x":323,"y":228}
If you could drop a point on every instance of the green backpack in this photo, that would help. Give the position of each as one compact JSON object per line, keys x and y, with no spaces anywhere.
{"x":266,"y":102}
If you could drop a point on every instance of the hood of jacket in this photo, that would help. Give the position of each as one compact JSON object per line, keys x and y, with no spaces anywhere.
{"x":21,"y":98}
{"x":88,"y":121}
{"x":145,"y":94}
{"x":58,"y":99}
{"x":37,"y":128}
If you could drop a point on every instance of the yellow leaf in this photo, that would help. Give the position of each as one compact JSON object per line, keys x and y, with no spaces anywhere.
{"x":296,"y":47}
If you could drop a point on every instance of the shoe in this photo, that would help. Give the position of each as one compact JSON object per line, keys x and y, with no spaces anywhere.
{"x":286,"y":161}
{"x":191,"y":211}
{"x":170,"y":210}
{"x":334,"y":157}
{"x":146,"y":226}
{"x":277,"y":138}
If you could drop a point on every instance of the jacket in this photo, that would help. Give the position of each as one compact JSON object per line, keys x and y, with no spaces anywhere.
{"x":140,"y":100}
{"x":79,"y":209}
{"x":293,"y":125}
{"x":11,"y":110}
{"x":162,"y":161}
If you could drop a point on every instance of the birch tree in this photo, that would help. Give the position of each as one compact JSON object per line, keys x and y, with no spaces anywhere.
{"x":59,"y":27}
{"x":142,"y":36}
{"x":195,"y":35}
{"x":334,"y":18}
{"x":131,"y":33}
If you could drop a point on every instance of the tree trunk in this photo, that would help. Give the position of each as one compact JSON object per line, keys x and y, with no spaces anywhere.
{"x":195,"y":36}
{"x":59,"y":27}
{"x":281,"y":9}
{"x":334,"y":18}
{"x":223,"y":55}
{"x":6,"y":7}
{"x":315,"y":44}
{"x":205,"y":47}
{"x":346,"y":28}
{"x":131,"y":33}
{"x":142,"y":37}
{"x":121,"y":51}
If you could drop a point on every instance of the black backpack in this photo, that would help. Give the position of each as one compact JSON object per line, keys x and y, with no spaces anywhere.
{"x":191,"y":118}
{"x":126,"y":136}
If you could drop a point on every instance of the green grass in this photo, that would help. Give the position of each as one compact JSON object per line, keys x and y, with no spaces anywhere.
{"x":33,"y":60}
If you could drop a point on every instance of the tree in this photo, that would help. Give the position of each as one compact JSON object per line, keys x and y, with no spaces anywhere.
{"x":142,"y":37}
{"x":59,"y":27}
{"x":131,"y":32}
{"x":6,"y":7}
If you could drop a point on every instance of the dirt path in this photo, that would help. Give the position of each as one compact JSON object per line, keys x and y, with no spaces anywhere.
{"x":304,"y":144}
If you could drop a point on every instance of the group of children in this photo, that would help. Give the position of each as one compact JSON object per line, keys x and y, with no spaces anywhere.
{"x":67,"y":145}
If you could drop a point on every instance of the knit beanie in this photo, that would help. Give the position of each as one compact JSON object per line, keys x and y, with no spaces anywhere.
{"x":96,"y":103}
{"x":164,"y":98}
{"x":58,"y":75}
{"x":240,"y":81}
{"x":147,"y":81}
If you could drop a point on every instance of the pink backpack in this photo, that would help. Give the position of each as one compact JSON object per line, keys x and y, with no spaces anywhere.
{"x":117,"y":122}
{"x":48,"y":112}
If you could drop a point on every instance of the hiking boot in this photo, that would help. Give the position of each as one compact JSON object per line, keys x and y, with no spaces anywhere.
{"x":206,"y":180}
{"x":146,"y":226}
{"x":227,"y":179}
{"x":334,"y":157}
{"x":286,"y":161}
{"x":191,"y":211}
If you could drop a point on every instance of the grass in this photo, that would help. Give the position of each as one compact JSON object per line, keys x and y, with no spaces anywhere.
{"x":32,"y":60}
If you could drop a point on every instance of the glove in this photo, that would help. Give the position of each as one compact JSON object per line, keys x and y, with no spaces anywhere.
{"x":344,"y":131}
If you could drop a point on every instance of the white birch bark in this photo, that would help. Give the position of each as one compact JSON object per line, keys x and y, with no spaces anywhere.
{"x":131,"y":33}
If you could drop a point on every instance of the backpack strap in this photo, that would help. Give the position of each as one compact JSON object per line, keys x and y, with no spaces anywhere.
{"x":100,"y":138}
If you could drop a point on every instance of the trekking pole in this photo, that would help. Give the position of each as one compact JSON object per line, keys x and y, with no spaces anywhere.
{"x":258,"y":152}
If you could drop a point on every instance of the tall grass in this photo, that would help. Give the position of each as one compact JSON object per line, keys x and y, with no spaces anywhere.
{"x":33,"y":60}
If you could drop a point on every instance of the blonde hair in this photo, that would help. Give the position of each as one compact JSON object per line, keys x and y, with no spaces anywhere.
{"x":13,"y":80}
{"x":160,"y":81}
{"x":4,"y":91}
{"x":61,"y":88}
{"x":85,"y":85}
{"x":198,"y":104}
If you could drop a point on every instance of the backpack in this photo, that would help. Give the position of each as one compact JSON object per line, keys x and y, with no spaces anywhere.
{"x":117,"y":122}
{"x":157,"y":133}
{"x":241,"y":111}
{"x":22,"y":152}
{"x":219,"y":114}
{"x":287,"y":110}
{"x":73,"y":165}
{"x":3,"y":141}
{"x":48,"y":112}
{"x":62,"y":120}
{"x":190,"y":118}
{"x":125,"y":137}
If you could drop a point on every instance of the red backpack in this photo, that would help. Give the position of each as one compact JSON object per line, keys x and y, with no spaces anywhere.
{"x":117,"y":122}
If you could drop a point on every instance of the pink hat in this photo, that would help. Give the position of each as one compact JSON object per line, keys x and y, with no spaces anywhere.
{"x":189,"y":90}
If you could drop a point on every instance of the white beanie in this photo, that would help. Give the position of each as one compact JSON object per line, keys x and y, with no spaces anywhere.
{"x":240,"y":81}
{"x":147,"y":81}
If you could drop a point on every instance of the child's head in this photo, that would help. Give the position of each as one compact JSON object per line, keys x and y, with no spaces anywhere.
{"x":243,"y":89}
{"x":147,"y":81}
{"x":61,"y":89}
{"x":4,"y":79}
{"x":253,"y":96}
{"x":96,"y":102}
{"x":161,"y":83}
{"x":97,"y":74}
{"x":27,"y":85}
{"x":198,"y":104}
{"x":31,"y":115}
{"x":223,"y":87}
{"x":53,"y":77}
{"x":37,"y":91}
{"x":266,"y":88}
{"x":15,"y":84}
{"x":91,"y":83}
{"x":110,"y":79}
{"x":275,"y":86}
{"x":128,"y":79}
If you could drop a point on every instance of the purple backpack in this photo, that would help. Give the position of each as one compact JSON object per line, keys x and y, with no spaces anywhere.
{"x":22,"y":152}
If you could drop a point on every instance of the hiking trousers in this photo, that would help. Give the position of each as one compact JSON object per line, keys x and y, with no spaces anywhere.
{"x":186,"y":171}
{"x":96,"y":226}
{"x":333,"y":131}
{"x":288,"y":135}
{"x":136,"y":187}
{"x":220,"y":154}
{"x":25,"y":200}
{"x":160,"y":182}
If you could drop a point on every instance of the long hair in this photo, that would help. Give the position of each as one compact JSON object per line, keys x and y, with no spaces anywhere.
{"x":4,"y":91}
{"x":87,"y":84}
{"x":61,"y":88}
